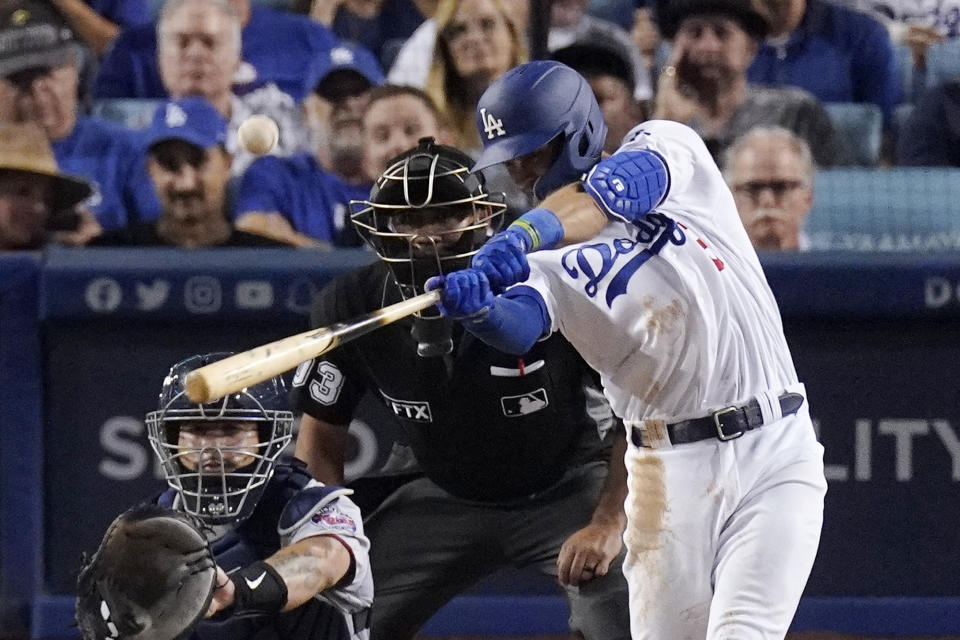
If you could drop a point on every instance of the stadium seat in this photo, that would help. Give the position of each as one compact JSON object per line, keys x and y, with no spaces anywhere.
{"x":859,"y":127}
{"x":885,"y":209}
{"x":132,"y":113}
{"x":943,"y":62}
{"x":912,"y":80}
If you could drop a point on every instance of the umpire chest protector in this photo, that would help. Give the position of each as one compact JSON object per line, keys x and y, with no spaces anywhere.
{"x":484,"y":425}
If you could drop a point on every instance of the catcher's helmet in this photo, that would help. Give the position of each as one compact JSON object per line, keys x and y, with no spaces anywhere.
{"x":225,"y":495}
{"x":420,"y":188}
{"x":533,"y":104}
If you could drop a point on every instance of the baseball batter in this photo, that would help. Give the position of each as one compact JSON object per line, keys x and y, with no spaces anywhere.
{"x":667,"y":300}
{"x":520,"y":457}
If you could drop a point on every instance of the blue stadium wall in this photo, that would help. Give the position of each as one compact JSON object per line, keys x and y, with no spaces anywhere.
{"x":86,"y":336}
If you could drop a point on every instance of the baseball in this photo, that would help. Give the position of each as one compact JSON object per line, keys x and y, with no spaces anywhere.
{"x":258,"y":134}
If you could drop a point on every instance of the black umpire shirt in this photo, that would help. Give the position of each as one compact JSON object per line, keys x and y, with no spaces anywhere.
{"x":484,"y":425}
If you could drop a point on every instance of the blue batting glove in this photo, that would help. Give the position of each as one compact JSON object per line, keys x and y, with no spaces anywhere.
{"x":465,"y":294}
{"x":503,"y":259}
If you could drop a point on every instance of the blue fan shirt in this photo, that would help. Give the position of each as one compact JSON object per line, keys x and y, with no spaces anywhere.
{"x":279,"y":46}
{"x":110,"y":158}
{"x":312,"y":199}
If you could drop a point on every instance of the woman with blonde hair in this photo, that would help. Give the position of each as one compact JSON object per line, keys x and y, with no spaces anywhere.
{"x":477,"y":42}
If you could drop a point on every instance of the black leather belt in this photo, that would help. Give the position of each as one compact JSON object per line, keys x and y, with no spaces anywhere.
{"x":361,"y":620}
{"x":724,"y":424}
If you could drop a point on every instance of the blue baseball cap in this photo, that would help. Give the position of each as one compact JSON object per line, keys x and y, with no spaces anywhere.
{"x":343,"y":57}
{"x":192,"y":120}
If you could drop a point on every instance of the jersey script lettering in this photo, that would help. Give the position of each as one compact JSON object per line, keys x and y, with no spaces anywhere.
{"x":652,"y":233}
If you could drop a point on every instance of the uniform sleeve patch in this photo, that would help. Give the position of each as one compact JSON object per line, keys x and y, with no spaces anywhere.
{"x":330,"y":516}
{"x":307,"y":503}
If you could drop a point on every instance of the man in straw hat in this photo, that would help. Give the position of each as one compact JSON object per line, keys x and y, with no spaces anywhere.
{"x":36,"y":199}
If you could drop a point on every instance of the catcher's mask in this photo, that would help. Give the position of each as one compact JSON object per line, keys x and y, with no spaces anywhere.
{"x":427,"y":214}
{"x":221,"y":494}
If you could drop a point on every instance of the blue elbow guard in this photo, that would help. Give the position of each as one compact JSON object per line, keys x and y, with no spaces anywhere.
{"x":513,"y":324}
{"x":630,"y":184}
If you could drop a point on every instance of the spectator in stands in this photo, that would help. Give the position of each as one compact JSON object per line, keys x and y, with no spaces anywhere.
{"x":199,"y":55}
{"x":930,"y":137}
{"x":835,"y":53}
{"x":918,"y":25}
{"x":382,"y":26}
{"x":189,"y":166}
{"x":39,"y":66}
{"x":611,"y":79}
{"x":705,"y":84}
{"x":97,"y":22}
{"x":620,"y":12}
{"x":770,"y":171}
{"x":477,"y":43}
{"x":303,"y":199}
{"x":571,"y":24}
{"x":396,"y":118}
{"x":38,"y":203}
{"x":646,"y":38}
{"x":412,"y":64}
{"x":277,"y":47}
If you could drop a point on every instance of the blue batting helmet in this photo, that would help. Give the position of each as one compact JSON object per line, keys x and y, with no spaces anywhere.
{"x":531,"y":105}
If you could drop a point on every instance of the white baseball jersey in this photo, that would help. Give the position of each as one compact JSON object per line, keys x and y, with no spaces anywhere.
{"x":676,"y":315}
{"x":337,"y":515}
{"x":685,"y":327}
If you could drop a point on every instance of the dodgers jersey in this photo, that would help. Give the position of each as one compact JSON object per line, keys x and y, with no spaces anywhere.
{"x":674,"y":312}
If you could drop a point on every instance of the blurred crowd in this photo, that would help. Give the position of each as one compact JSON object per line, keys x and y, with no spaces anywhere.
{"x":119,"y":118}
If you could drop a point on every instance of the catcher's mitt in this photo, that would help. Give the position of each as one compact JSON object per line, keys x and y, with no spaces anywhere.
{"x":151,"y":579}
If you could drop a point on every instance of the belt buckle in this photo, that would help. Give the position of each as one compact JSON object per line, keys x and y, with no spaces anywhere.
{"x":716,"y":415}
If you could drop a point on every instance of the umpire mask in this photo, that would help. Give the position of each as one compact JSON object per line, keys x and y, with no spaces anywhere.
{"x":428,"y":215}
{"x":219,"y":482}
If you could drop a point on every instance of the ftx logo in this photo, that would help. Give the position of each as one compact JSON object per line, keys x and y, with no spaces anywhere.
{"x":416,"y":410}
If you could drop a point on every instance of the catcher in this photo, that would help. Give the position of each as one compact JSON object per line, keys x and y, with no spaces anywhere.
{"x":240,"y":546}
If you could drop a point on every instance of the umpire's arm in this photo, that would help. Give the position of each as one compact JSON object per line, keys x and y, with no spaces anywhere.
{"x":588,"y":552}
{"x":322,"y":445}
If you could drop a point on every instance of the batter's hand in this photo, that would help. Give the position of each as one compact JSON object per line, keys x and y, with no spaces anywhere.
{"x":464,"y":294}
{"x":503,"y":259}
{"x":588,"y":553}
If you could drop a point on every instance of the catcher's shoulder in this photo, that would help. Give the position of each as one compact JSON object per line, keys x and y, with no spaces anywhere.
{"x":309,"y":504}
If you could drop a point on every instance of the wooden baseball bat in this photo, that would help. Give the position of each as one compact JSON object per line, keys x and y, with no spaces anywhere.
{"x":232,"y":374}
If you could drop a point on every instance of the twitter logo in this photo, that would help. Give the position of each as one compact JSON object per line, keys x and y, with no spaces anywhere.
{"x":151,"y":297}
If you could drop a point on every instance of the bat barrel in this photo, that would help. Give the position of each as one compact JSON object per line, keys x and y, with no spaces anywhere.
{"x":239,"y":371}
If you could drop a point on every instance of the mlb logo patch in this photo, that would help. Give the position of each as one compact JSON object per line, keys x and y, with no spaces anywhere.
{"x":331,"y":517}
{"x":522,"y":405}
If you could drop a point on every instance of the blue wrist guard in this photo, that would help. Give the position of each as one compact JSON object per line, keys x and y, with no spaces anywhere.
{"x":543,"y":228}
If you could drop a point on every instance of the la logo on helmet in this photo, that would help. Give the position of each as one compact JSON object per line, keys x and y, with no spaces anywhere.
{"x":491,"y":125}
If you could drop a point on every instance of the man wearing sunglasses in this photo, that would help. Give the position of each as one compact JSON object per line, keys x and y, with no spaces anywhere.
{"x":770,"y":171}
